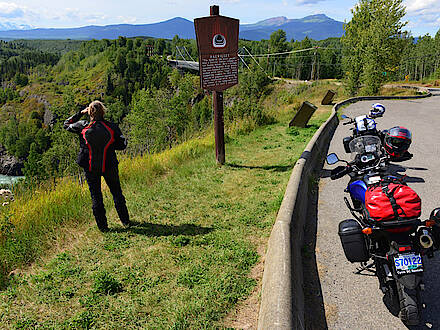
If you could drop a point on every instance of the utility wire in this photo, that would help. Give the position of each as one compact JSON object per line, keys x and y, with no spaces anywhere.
{"x":282,"y":53}
{"x":292,"y":51}
{"x":304,"y":64}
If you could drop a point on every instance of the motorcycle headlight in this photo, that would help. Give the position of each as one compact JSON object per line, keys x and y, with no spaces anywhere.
{"x":367,"y":158}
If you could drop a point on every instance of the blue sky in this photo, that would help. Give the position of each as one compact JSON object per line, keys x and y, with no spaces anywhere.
{"x":423,"y":15}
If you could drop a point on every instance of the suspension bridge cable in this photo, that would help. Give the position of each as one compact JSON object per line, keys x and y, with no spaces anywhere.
{"x":186,"y":51}
{"x":254,"y":60}
{"x":178,"y":49}
{"x":244,"y":62}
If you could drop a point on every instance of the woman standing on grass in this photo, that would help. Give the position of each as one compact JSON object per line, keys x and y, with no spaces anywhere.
{"x":98,"y":141}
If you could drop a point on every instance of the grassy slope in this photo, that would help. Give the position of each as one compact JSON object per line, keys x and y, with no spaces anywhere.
{"x":428,"y":82}
{"x":187,"y":261}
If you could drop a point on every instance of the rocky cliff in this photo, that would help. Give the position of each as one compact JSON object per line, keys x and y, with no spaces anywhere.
{"x":9,"y":165}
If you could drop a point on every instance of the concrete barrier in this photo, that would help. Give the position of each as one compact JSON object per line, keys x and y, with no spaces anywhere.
{"x":282,"y":299}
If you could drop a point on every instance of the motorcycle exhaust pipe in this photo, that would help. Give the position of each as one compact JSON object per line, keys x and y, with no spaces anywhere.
{"x":425,"y":239}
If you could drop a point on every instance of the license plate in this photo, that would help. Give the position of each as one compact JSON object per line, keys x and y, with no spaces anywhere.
{"x":408,"y":263}
{"x":374,"y":179}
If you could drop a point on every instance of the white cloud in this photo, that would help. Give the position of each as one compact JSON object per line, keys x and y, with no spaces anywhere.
{"x":14,"y":14}
{"x":11,"y":10}
{"x":422,"y":13}
{"x":229,"y":1}
{"x":415,"y":6}
{"x":307,"y":2}
{"x":75,"y":15}
{"x":127,"y":20}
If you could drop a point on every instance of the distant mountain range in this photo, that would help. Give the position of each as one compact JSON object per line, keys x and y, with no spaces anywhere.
{"x":316,"y":27}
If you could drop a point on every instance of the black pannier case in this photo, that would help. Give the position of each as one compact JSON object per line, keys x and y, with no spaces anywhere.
{"x":353,"y":241}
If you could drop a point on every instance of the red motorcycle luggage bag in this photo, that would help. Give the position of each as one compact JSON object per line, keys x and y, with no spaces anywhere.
{"x":392,"y":201}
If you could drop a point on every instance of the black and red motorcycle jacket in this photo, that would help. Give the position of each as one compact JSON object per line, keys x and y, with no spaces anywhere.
{"x":98,"y":141}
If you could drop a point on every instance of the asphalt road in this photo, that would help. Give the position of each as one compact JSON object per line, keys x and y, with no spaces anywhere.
{"x":355,"y":301}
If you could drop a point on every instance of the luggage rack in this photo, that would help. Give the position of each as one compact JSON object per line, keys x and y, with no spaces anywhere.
{"x":396,"y":223}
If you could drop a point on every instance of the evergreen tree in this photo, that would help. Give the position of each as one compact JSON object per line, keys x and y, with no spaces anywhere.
{"x":372,"y":43}
{"x":437,"y":54}
{"x":277,"y":44}
{"x":33,"y":167}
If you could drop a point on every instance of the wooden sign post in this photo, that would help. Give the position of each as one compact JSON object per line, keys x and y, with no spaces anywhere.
{"x":217,"y":43}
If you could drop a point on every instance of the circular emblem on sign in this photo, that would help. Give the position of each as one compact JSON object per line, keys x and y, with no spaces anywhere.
{"x":219,"y":41}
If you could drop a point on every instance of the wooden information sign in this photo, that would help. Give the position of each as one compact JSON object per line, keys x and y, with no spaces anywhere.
{"x":303,"y":115}
{"x":217,"y":42}
{"x":328,"y":98}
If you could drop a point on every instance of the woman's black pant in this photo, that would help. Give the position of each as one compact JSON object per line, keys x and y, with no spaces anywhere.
{"x":111,"y":177}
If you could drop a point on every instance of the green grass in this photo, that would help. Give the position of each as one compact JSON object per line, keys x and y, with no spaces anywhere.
{"x":31,"y":225}
{"x":430,"y":82}
{"x":394,"y":91}
{"x":187,"y":261}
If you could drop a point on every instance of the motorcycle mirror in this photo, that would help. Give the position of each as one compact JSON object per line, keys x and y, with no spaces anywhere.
{"x":435,"y":215}
{"x":333,"y":159}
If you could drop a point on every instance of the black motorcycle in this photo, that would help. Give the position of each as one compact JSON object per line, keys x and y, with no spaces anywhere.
{"x":392,"y":249}
{"x":362,"y":126}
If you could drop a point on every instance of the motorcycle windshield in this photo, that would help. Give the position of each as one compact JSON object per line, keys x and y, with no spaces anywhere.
{"x":365,"y":144}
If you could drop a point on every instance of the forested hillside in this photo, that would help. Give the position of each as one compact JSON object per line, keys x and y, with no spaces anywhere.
{"x":421,"y":58}
{"x":52,"y":46}
{"x":322,"y":57}
{"x":199,"y":232}
{"x":156,"y":106}
{"x":44,"y":81}
{"x":16,"y":60}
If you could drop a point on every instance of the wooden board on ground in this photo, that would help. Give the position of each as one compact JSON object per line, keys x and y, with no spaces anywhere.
{"x":303,"y":115}
{"x":328,"y":98}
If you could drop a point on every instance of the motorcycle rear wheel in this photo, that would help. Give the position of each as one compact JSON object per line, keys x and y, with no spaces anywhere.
{"x":391,"y":298}
{"x":409,"y":304}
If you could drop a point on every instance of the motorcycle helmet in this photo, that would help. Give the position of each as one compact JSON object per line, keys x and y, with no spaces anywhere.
{"x":397,"y":141}
{"x":377,"y":110}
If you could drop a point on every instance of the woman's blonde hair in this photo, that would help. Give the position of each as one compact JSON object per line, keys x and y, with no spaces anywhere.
{"x":97,"y":110}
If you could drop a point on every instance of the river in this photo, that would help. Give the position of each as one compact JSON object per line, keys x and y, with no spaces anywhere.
{"x":6,"y":179}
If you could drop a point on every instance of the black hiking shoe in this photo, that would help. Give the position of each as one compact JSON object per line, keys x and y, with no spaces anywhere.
{"x":104,"y":229}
